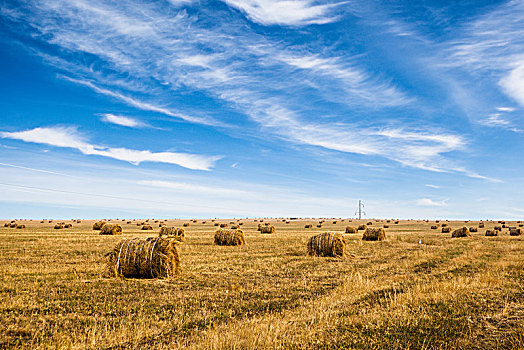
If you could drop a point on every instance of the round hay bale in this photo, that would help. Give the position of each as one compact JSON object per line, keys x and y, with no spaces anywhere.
{"x":334,"y":222}
{"x":111,"y":229}
{"x":308,"y":226}
{"x":240,"y":223}
{"x":319,"y":225}
{"x":434,"y":227}
{"x":147,"y":227}
{"x":98,"y":225}
{"x":351,"y":229}
{"x":153,"y":257}
{"x":177,"y":233}
{"x":481,"y":225}
{"x":396,"y":222}
{"x":13,"y":225}
{"x":327,"y":244}
{"x":374,"y":234}
{"x":444,"y":225}
{"x":446,"y":229}
{"x":186,"y":224}
{"x":516,"y":232}
{"x":19,"y":227}
{"x":234,"y":227}
{"x":59,"y":226}
{"x":498,"y":228}
{"x":521,"y":225}
{"x":6,"y":224}
{"x":216,"y":224}
{"x":461,"y":232}
{"x":223,"y":225}
{"x":361,"y":227}
{"x":229,"y":237}
{"x":386,"y":226}
{"x":267,"y":229}
{"x":369,"y":223}
{"x":68,"y":225}
{"x":492,"y":233}
{"x":473,"y":229}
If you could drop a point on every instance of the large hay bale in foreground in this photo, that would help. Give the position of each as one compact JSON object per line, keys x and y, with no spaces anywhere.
{"x":461,"y":232}
{"x":267,"y":229}
{"x":152,"y":257}
{"x":147,"y":227}
{"x":516,"y":232}
{"x":351,"y":229}
{"x":111,"y":229}
{"x":178,"y":233}
{"x":362,"y":227}
{"x":492,"y":233}
{"x":327,"y":244}
{"x":374,"y":234}
{"x":446,"y":229}
{"x":229,"y":237}
{"x":98,"y":225}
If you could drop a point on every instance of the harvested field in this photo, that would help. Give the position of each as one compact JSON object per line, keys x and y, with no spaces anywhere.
{"x":441,"y":293}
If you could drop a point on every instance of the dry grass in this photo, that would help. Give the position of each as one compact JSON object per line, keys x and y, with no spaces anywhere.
{"x":444,"y":293}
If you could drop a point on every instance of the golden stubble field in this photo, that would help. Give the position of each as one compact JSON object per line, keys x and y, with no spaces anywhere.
{"x":443,"y":293}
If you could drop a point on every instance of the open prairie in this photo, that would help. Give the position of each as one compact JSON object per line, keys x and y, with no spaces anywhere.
{"x":419,"y":288}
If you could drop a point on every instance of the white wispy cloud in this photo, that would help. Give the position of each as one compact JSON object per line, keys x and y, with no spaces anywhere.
{"x":505,"y":109}
{"x":276,"y":86}
{"x":122,"y":120}
{"x":495,"y":120}
{"x":286,"y":12}
{"x":432,"y":186}
{"x":69,"y":137}
{"x":192,"y":188}
{"x":427,"y":202}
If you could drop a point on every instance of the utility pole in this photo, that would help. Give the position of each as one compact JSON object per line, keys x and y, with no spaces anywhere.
{"x":359,"y":210}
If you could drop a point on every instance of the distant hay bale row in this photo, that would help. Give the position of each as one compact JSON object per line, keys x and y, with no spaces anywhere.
{"x":145,"y":258}
{"x":461,"y":232}
{"x":111,"y":229}
{"x":229,"y":237}
{"x":98,"y":225}
{"x":267,"y":229}
{"x":327,"y":244}
{"x":374,"y":234}
{"x":351,"y":229}
{"x":176,"y":232}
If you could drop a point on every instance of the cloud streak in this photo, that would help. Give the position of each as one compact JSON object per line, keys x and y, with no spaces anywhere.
{"x":68,"y":137}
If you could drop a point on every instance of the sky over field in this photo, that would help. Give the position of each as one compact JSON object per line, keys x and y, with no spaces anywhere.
{"x":236,"y":108}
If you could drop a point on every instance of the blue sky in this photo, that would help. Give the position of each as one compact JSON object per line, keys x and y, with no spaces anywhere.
{"x":235,"y":108}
